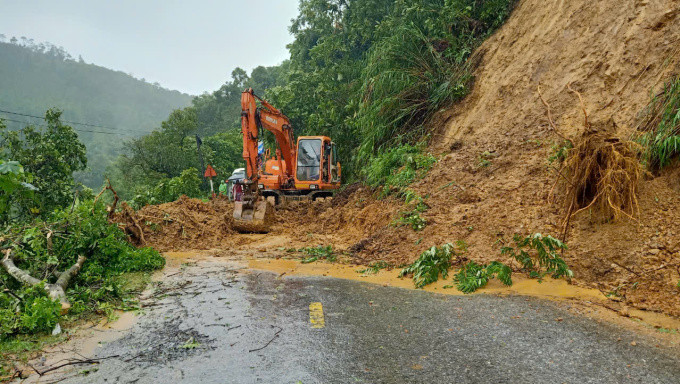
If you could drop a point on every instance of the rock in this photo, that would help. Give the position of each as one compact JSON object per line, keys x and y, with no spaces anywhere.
{"x":654,"y":251}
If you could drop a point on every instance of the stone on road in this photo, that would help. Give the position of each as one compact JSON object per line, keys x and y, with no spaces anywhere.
{"x":213,"y":324}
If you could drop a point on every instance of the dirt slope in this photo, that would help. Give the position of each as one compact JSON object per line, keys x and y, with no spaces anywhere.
{"x":613,"y":52}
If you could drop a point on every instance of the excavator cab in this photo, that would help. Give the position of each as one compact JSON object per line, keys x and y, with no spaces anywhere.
{"x":317,"y":168}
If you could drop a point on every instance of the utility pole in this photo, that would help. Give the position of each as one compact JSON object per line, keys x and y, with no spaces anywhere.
{"x":200,"y":157}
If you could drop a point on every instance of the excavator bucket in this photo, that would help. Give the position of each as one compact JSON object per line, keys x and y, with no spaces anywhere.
{"x":253,"y":217}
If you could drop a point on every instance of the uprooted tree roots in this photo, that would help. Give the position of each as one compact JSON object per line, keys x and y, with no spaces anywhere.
{"x":600,"y":173}
{"x":603,"y":174}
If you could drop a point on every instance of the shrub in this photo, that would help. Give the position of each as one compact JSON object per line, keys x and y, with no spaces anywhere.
{"x":42,"y":247}
{"x":411,"y":219}
{"x":187,"y":183}
{"x":537,"y":253}
{"x":473,"y":276}
{"x":659,"y":126}
{"x":430,"y":264}
{"x":398,"y":167}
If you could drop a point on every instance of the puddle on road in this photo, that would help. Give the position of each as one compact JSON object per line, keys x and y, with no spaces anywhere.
{"x":549,"y":288}
{"x":108,"y":331}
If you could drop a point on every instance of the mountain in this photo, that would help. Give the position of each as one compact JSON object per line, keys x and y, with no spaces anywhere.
{"x":115,"y":106}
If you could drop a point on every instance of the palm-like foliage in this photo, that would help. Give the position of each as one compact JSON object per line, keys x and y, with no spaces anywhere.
{"x":431,"y":263}
{"x":473,"y":276}
{"x":536,"y":252}
{"x":660,"y":126}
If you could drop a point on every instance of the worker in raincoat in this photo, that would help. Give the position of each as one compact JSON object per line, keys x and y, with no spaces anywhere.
{"x":223,"y":188}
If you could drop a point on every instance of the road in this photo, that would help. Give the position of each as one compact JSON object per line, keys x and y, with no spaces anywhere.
{"x":211,"y":322}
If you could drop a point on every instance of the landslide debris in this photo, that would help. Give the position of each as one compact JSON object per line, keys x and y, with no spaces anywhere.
{"x":181,"y":225}
{"x":613,"y":53}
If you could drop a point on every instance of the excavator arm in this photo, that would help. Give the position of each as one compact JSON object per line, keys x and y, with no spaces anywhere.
{"x":266,"y":116}
{"x":253,"y":214}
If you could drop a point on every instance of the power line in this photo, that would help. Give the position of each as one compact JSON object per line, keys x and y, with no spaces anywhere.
{"x":71,"y":122}
{"x":75,"y":129}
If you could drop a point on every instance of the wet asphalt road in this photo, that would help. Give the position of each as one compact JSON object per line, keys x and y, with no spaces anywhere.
{"x":207,"y":322}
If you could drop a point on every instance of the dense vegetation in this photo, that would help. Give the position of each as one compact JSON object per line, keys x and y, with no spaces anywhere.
{"x":212,"y":120}
{"x":35,"y":77}
{"x":659,"y":129}
{"x":368,"y":73}
{"x":47,"y":227}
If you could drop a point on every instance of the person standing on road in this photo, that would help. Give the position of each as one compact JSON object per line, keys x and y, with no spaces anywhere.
{"x":238,"y":192}
{"x":223,"y":188}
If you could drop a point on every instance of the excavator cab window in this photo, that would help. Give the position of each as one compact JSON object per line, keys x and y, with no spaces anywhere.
{"x":308,"y":159}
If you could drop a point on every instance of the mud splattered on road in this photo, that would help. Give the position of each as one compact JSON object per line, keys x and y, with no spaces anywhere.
{"x":212,"y":320}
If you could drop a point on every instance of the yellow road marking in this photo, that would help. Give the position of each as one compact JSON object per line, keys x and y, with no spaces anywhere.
{"x":316,"y":315}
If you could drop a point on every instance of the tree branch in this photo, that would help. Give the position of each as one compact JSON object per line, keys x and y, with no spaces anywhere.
{"x":55,"y":291}
{"x":15,"y":272}
{"x":67,"y":275}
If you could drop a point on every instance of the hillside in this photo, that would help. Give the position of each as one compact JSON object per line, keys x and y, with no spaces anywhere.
{"x":614,"y":54}
{"x":34,"y":78}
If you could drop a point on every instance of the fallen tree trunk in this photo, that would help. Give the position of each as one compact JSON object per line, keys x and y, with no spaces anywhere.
{"x":56,"y":291}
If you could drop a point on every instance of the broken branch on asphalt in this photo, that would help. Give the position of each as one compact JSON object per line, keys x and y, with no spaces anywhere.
{"x":269,"y":342}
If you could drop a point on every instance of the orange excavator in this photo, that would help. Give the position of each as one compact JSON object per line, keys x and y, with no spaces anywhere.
{"x":304,"y":169}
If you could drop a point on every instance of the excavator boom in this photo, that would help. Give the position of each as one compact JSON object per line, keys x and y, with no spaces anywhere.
{"x":253,"y":213}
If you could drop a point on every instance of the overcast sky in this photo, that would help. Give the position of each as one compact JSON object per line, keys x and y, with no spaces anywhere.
{"x":191,"y":46}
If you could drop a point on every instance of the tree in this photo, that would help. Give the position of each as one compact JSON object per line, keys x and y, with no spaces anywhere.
{"x":239,"y":77}
{"x":51,"y":155}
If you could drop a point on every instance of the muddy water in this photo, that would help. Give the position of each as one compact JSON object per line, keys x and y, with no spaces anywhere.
{"x":548,"y":288}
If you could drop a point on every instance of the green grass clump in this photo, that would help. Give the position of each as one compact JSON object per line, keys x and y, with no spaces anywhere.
{"x":405,"y":82}
{"x":659,"y":126}
{"x":539,"y":256}
{"x":393,"y":170}
{"x":559,"y":151}
{"x":318,"y":252}
{"x":431,"y":263}
{"x":473,"y":276}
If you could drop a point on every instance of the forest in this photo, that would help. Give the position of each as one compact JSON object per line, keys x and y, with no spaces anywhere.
{"x":115,"y":106}
{"x":349,"y":76}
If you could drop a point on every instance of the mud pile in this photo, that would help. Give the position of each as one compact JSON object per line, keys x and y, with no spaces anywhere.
{"x":180,"y":225}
